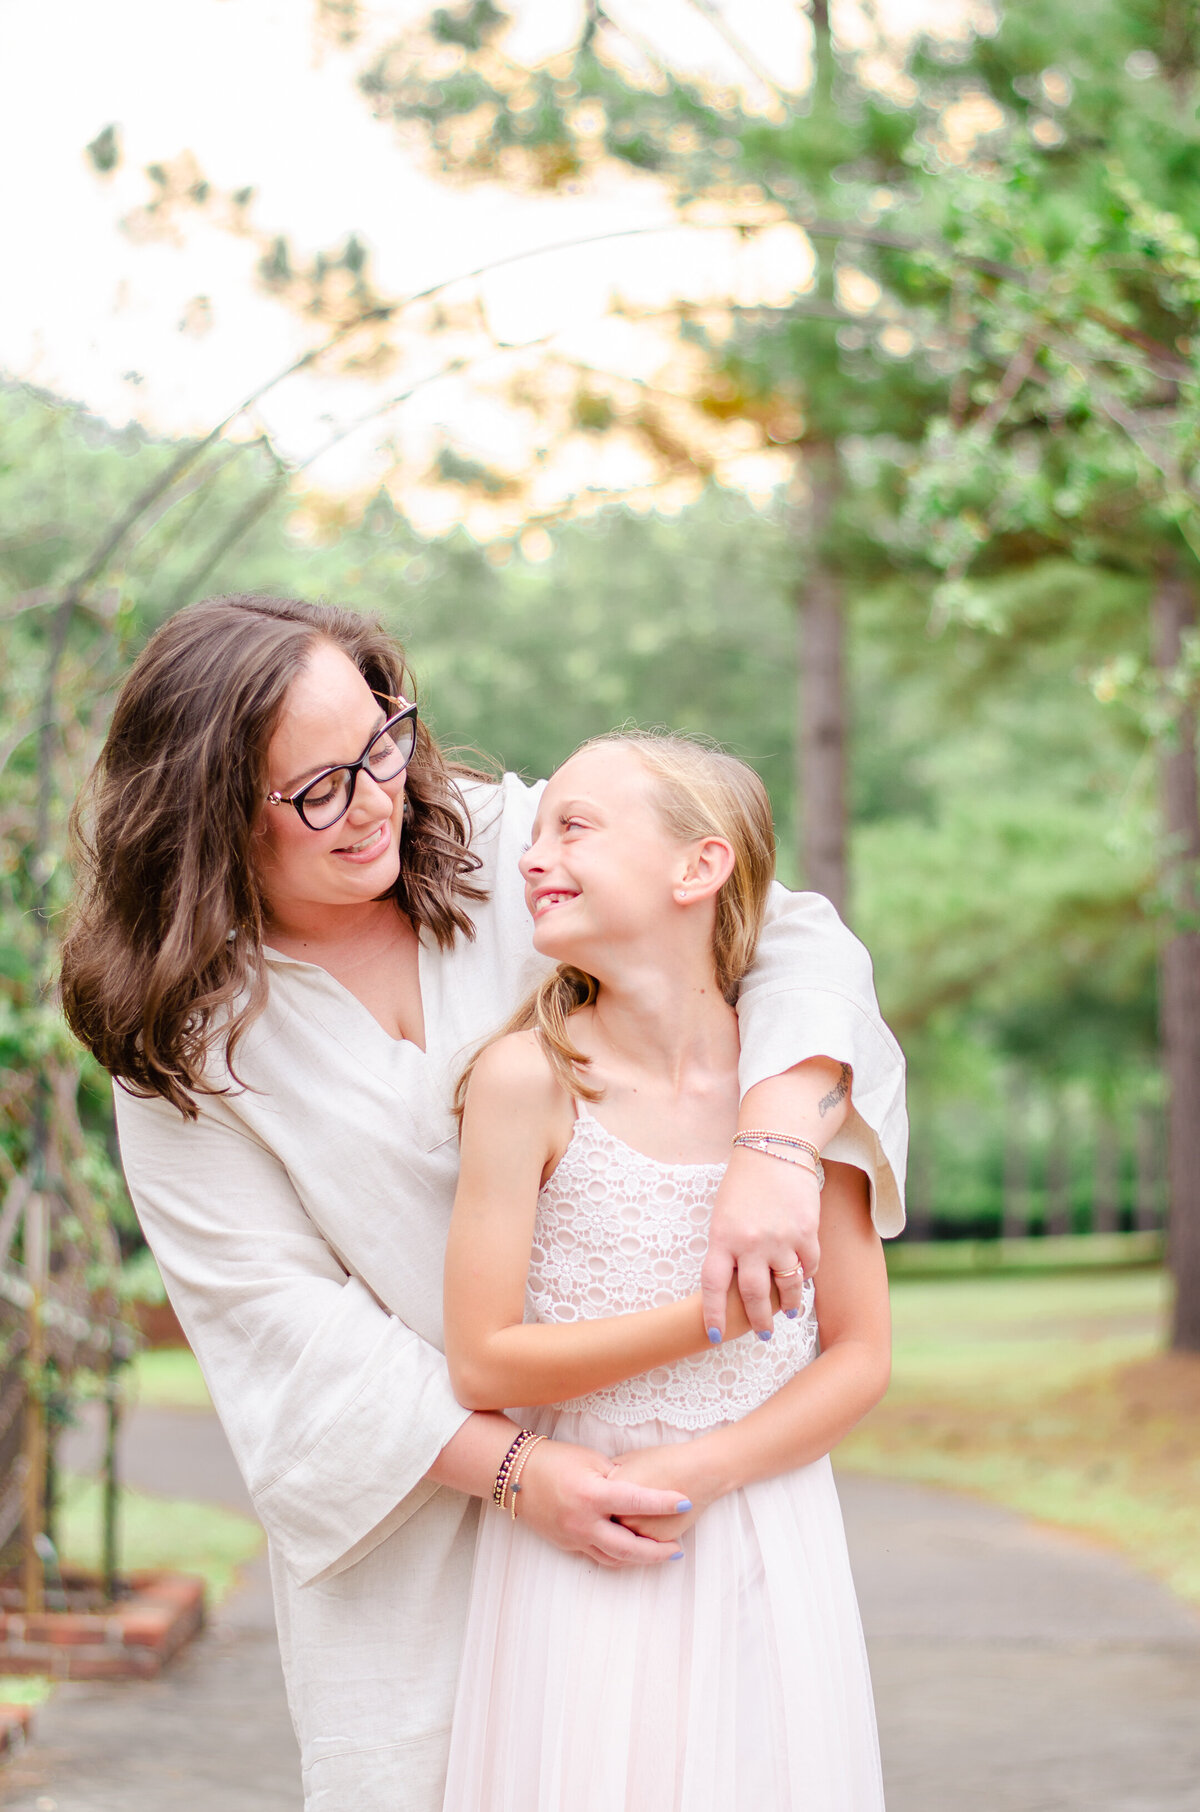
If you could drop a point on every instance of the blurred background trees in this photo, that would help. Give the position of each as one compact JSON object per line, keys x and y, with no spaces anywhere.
{"x":957,"y":637}
{"x":1074,"y":269}
{"x":988,"y":389}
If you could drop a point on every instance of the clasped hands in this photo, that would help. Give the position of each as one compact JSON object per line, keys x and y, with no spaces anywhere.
{"x":765,"y":1217}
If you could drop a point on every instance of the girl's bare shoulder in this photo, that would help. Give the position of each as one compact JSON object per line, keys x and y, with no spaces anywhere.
{"x":515,"y":1071}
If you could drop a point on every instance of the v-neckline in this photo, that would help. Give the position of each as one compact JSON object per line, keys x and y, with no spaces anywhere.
{"x":401,"y":1043}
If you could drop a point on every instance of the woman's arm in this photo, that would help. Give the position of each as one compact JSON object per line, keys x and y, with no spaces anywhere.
{"x":767,"y":1212}
{"x":517,"y":1123}
{"x":810,"y":1029}
{"x":816,"y":1409}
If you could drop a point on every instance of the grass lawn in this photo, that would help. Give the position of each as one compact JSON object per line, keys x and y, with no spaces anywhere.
{"x":24,"y":1689}
{"x":158,"y":1532}
{"x":168,"y":1378}
{"x":1050,"y":1395}
{"x":154,"y":1531}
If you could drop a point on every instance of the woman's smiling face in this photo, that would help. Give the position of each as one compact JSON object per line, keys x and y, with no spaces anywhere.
{"x":602,"y":867}
{"x":329,"y":716}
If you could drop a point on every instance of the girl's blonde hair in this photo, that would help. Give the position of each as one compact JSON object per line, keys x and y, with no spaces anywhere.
{"x":700,"y":791}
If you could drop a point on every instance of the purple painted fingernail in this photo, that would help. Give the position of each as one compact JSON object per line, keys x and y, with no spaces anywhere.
{"x":714,"y":1335}
{"x":685,"y":1503}
{"x":791,"y":1314}
{"x":678,"y":1554}
{"x":763,"y":1333}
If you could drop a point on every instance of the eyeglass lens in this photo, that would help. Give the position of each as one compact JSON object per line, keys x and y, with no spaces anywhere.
{"x":388,"y":755}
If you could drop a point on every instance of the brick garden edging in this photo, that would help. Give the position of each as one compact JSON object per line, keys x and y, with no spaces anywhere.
{"x":131,"y":1640}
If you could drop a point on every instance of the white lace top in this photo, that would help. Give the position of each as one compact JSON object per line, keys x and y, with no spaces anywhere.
{"x":617,"y":1231}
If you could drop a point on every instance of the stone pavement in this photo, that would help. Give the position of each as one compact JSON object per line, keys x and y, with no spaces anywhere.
{"x":1016,"y":1670}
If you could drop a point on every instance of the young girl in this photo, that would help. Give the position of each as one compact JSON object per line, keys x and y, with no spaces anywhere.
{"x":594,"y":1136}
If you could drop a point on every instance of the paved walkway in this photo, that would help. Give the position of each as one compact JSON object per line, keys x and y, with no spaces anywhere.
{"x":1016,"y":1670}
{"x":213,"y":1733}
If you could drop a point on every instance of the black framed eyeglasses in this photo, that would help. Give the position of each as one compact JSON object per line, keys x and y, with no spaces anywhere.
{"x":328,"y":796}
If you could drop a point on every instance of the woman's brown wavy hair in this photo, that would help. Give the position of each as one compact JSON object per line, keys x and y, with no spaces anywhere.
{"x":166,"y":943}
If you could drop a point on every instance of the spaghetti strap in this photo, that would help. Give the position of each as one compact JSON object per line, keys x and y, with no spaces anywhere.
{"x":581,"y":1109}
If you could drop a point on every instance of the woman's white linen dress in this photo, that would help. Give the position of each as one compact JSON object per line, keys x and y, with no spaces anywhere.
{"x":300,"y":1227}
{"x":734,"y":1680}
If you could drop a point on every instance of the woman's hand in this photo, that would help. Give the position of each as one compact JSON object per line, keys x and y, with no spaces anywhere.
{"x":766,"y":1215}
{"x":570,"y":1496}
{"x":647,"y":1467}
{"x":737,"y":1322}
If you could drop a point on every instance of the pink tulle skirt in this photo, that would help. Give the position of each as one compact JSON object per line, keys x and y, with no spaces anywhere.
{"x":734,"y":1680}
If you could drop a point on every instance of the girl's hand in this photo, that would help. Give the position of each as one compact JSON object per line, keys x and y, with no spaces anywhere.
{"x":570,"y":1496}
{"x":649,"y":1466}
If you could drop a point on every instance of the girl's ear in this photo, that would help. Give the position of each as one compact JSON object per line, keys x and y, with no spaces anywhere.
{"x":709,"y":865}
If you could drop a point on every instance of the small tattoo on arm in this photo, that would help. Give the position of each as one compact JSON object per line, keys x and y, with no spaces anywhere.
{"x":837,"y":1093}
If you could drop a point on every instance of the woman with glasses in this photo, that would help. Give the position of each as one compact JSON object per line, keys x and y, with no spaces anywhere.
{"x":296,"y":919}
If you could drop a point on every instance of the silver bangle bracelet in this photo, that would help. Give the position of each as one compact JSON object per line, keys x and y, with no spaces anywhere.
{"x":762,"y":1142}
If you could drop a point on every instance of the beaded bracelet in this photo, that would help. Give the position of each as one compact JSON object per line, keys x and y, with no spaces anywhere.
{"x":500,"y":1488}
{"x":816,"y":1170}
{"x":514,"y":1479}
{"x":757,"y":1140}
{"x":778,"y":1138}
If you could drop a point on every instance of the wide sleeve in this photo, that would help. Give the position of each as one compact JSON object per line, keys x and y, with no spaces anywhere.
{"x":811,"y":993}
{"x":335,"y":1410}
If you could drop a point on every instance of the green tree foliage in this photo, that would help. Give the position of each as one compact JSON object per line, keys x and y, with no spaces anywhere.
{"x":894,"y":379}
{"x":1067,"y":258}
{"x":65,"y":481}
{"x":1000,"y":890}
{"x":1000,"y":813}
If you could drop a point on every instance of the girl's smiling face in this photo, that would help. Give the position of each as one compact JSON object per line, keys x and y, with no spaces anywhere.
{"x":602,"y":870}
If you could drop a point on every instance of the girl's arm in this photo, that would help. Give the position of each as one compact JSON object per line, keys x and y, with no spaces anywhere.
{"x":315,"y":1382}
{"x":517,"y":1123}
{"x":810,"y":1414}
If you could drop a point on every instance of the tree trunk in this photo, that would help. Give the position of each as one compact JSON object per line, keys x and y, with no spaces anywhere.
{"x":1148,"y":1167}
{"x":1058,"y":1168}
{"x":1106,"y":1179}
{"x":821,"y":743}
{"x":1174,"y":614}
{"x":1015,"y":1223}
{"x":37,"y":1271}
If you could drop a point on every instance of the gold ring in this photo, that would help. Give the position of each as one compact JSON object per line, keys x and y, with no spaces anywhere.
{"x":780,"y":1275}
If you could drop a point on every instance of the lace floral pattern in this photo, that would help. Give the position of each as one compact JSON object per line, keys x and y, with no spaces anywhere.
{"x":617,"y":1231}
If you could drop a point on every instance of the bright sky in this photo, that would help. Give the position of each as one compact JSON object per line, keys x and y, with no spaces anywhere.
{"x":260,"y":96}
